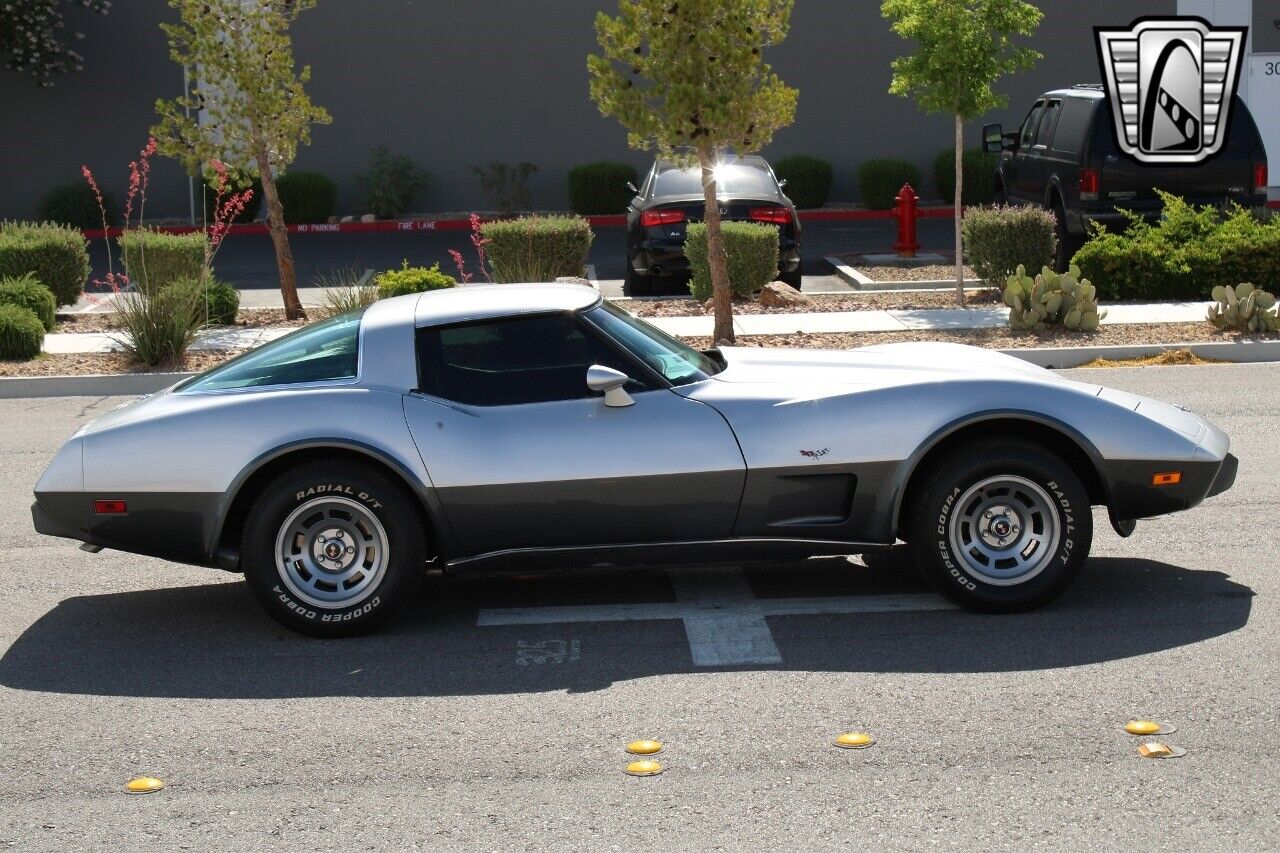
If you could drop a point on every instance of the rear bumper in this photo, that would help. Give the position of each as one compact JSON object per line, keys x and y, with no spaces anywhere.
{"x":667,"y":259}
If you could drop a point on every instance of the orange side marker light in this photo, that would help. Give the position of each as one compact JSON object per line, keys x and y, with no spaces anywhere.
{"x":1166,"y":478}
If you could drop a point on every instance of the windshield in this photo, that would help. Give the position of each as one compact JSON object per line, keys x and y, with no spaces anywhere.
{"x":679,"y":364}
{"x":322,"y":352}
{"x":730,"y":180}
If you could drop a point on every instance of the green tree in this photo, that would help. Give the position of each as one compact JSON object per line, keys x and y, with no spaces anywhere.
{"x":33,"y":37}
{"x":255,"y":107}
{"x":686,"y":78}
{"x":962,"y":48}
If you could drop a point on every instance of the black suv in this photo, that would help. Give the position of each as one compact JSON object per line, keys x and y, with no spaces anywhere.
{"x":1065,"y":158}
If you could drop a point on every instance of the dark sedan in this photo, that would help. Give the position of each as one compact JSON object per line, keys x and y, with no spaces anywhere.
{"x":671,"y":196}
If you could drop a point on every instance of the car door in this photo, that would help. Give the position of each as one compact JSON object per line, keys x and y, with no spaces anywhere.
{"x":1017,"y":181}
{"x":522,"y":455}
{"x":1038,"y":164}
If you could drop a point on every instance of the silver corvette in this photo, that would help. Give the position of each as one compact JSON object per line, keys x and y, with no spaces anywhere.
{"x":504,"y":426}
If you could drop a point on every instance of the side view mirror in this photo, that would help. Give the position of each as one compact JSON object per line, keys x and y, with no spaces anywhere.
{"x":632,"y":187}
{"x":992,"y":138}
{"x":782,"y":183}
{"x":609,"y":382}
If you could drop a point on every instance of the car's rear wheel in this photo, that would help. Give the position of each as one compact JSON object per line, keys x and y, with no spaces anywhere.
{"x":637,"y":284}
{"x":333,"y":549}
{"x":1068,"y":243}
{"x":1000,"y":526}
{"x":794,"y":278}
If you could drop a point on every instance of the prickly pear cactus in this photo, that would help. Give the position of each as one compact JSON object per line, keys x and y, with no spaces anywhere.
{"x":1052,"y":299}
{"x":1243,"y":308}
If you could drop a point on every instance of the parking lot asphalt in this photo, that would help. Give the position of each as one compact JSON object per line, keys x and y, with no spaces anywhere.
{"x":476,"y":723}
{"x":248,"y":260}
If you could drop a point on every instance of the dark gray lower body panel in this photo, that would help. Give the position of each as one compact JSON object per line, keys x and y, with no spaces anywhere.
{"x":170,"y":525}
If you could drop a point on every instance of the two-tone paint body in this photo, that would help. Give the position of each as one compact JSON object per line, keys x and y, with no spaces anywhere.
{"x":783,"y":452}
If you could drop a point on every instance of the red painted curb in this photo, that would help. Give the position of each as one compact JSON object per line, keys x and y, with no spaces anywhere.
{"x":614,"y":221}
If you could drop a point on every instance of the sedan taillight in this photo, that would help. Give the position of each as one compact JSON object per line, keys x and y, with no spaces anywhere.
{"x":776,"y":215}
{"x":650,"y":218}
{"x":1260,"y":175}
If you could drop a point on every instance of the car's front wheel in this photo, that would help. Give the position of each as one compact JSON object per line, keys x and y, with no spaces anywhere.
{"x":333,"y":549}
{"x":1000,"y":526}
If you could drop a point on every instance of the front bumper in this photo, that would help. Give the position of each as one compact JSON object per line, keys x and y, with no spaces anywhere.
{"x":1133,"y":496}
{"x":47,"y":525}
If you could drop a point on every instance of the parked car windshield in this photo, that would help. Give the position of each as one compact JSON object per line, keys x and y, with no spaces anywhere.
{"x":731,"y":179}
{"x":678,"y":363}
{"x":324,"y":351}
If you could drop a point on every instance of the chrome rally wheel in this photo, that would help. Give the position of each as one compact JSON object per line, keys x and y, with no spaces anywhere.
{"x":333,"y":548}
{"x":331,"y":552}
{"x":1005,"y":530}
{"x":998,"y":525}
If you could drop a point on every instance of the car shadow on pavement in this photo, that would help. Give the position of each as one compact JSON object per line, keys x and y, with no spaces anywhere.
{"x":212,"y":641}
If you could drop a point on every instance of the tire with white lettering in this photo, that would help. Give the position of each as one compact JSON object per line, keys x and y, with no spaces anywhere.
{"x":333,"y":549}
{"x":999,"y":526}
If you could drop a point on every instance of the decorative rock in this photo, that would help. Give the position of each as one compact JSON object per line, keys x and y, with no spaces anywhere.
{"x":347,"y":218}
{"x":332,"y":220}
{"x":368,"y":217}
{"x":776,"y":294}
{"x":573,"y":279}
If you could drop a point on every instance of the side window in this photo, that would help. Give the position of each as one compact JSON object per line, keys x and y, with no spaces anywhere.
{"x":1048,"y":123}
{"x":328,"y":351}
{"x":1028,"y":133}
{"x":1073,"y":124}
{"x":514,"y":361}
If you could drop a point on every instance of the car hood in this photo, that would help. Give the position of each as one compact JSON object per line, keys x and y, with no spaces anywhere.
{"x":879,"y":366}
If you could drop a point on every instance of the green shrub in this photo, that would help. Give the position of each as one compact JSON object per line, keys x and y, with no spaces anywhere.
{"x":808,"y":179}
{"x":345,"y":289}
{"x":1052,"y":299}
{"x":880,"y":180}
{"x":537,"y":248}
{"x":998,"y":240}
{"x":390,"y":183}
{"x":306,"y":196}
{"x":153,"y":259}
{"x":1243,"y":309}
{"x":409,"y":279}
{"x":979,"y":169}
{"x":56,"y":255}
{"x":1184,"y":255}
{"x":74,"y":205}
{"x":158,"y":327}
{"x":214,"y":303}
{"x":752,"y":250}
{"x":506,"y":185}
{"x":21,"y":333}
{"x":28,"y":292}
{"x":234,"y":185}
{"x":600,"y":188}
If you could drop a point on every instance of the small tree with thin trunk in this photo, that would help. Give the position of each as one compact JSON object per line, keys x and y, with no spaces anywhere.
{"x":687,"y":79}
{"x":962,"y":48}
{"x":255,"y":109}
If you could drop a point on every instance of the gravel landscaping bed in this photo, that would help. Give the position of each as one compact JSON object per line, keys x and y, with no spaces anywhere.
{"x":926,"y":272}
{"x":87,"y":364}
{"x":1002,"y":338}
{"x":868,"y":301}
{"x":246,"y":318}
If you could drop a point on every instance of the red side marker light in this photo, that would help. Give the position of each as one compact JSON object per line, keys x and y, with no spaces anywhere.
{"x":109,"y":507}
{"x":1167,"y":478}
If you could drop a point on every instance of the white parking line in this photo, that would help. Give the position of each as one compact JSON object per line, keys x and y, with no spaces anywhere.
{"x":723,"y":620}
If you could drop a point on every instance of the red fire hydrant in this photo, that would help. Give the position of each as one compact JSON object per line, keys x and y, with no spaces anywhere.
{"x":906,"y":213}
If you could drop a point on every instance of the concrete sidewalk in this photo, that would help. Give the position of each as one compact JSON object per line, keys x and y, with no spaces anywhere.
{"x":746,"y":325}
